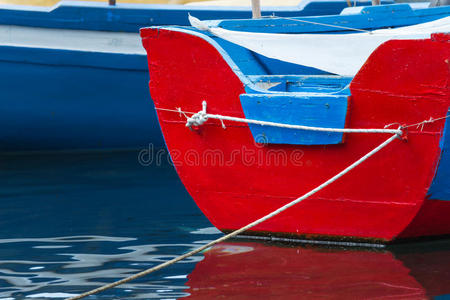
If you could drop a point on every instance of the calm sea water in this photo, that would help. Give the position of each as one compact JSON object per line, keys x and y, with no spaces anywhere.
{"x":70,"y":222}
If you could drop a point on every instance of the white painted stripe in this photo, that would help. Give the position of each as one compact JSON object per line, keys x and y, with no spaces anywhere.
{"x":67,"y":39}
{"x":342,"y":54}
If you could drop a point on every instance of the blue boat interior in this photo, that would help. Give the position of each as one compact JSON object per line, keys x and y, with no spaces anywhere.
{"x":300,"y":83}
{"x":307,"y":109}
{"x":308,"y":100}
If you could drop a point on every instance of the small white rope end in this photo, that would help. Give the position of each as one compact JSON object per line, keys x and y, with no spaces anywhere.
{"x":200,"y":25}
{"x":223,"y":124}
{"x":422,"y":124}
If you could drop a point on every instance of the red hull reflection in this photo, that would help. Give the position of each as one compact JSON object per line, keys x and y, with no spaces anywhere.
{"x":250,"y":270}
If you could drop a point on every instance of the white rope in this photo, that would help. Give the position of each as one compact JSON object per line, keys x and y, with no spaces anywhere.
{"x":234,"y":233}
{"x":201,"y":25}
{"x":198,"y":118}
{"x":325,"y":24}
{"x":429,"y":121}
{"x":202,"y":116}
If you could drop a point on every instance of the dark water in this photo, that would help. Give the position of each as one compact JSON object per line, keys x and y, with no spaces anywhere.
{"x":70,"y":222}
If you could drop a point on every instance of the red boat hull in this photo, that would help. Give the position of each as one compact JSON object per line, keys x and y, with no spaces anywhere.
{"x":235,"y":181}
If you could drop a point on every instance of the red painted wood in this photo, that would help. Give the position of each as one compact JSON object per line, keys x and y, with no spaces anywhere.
{"x":251,"y":270}
{"x":432,"y":219}
{"x":403,"y":81}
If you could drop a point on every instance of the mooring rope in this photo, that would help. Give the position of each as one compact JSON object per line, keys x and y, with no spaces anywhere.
{"x":324,"y":24}
{"x":202,"y":116}
{"x":236,"y":232}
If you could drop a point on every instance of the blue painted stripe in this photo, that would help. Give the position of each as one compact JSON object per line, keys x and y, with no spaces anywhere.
{"x":440,"y":187}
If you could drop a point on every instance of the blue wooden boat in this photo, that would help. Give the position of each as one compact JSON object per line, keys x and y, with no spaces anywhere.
{"x":87,"y":88}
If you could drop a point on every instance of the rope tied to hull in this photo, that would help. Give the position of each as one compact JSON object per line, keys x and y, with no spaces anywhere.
{"x":199,"y":118}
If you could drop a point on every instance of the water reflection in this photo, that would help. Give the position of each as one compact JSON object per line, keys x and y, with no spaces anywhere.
{"x":60,"y":268}
{"x":244,"y":270}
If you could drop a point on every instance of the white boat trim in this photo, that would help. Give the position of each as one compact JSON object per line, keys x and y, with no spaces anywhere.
{"x":67,"y":39}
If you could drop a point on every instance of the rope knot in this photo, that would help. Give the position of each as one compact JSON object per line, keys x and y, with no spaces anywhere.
{"x":199,"y":118}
